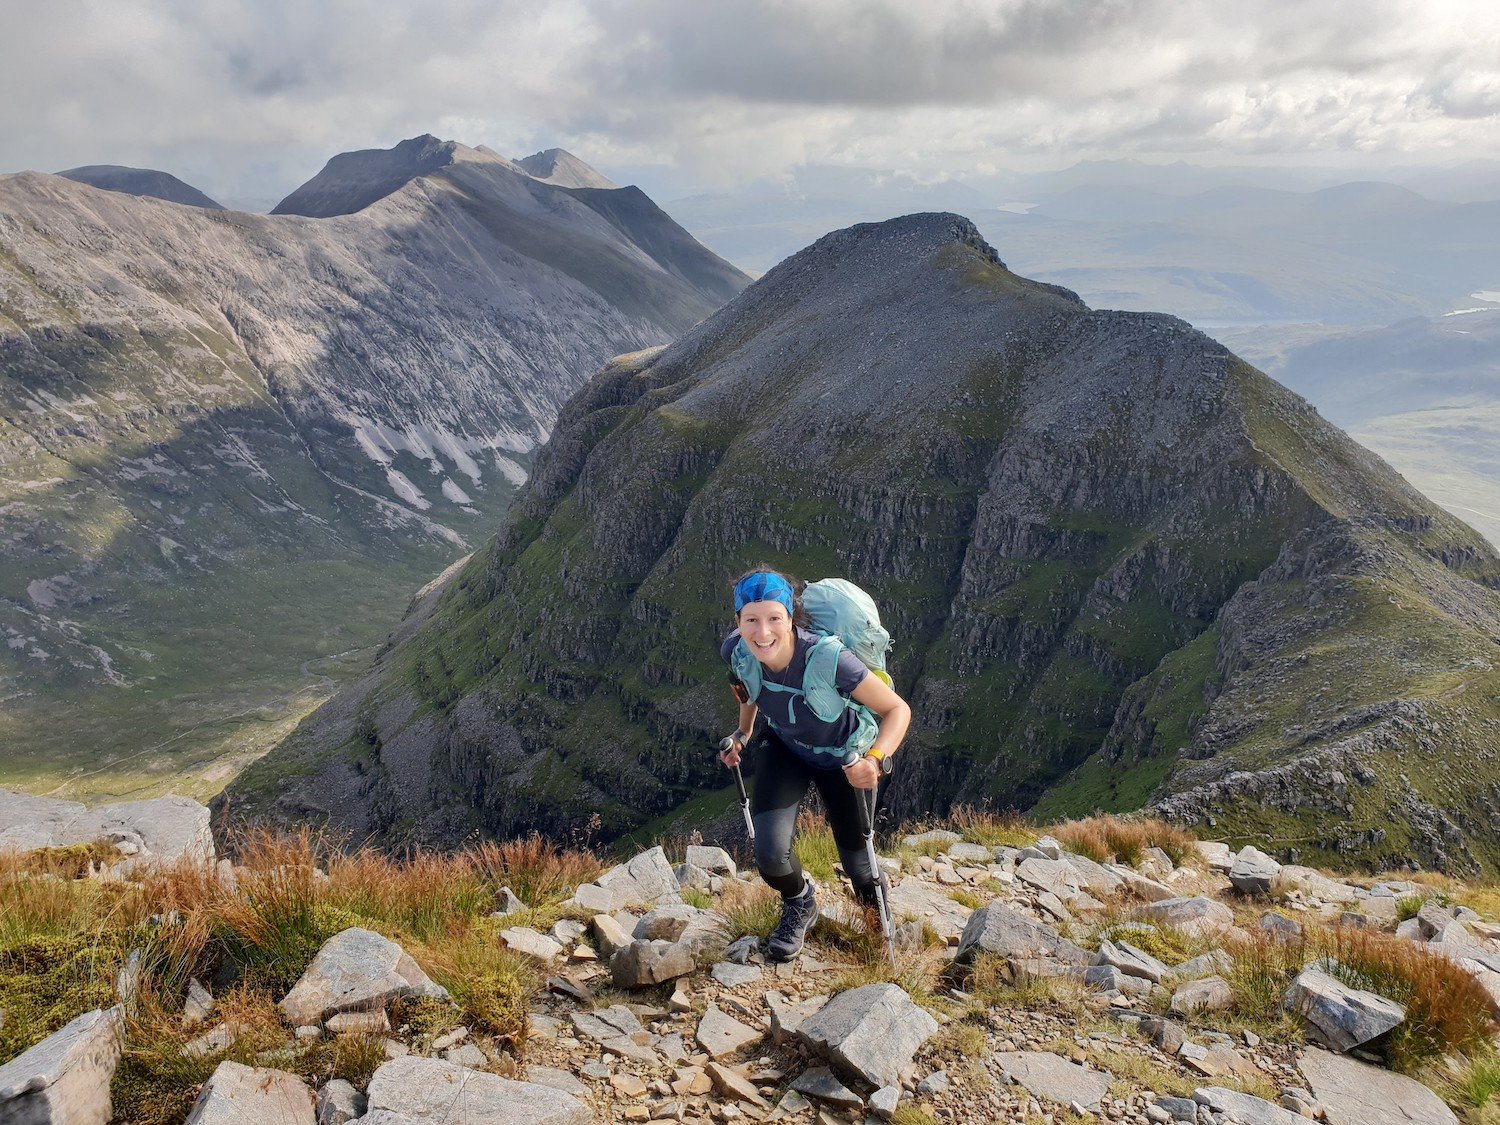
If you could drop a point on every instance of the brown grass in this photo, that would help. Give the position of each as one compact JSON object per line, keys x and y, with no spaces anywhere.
{"x":1447,"y":1010}
{"x":992,"y":829}
{"x":1124,"y":839}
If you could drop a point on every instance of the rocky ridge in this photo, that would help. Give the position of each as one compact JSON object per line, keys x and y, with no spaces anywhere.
{"x":230,"y":438}
{"x":141,"y":181}
{"x":1089,"y":1027}
{"x":1122,"y":567}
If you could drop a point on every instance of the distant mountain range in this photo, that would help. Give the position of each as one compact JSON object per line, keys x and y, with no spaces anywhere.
{"x":1122,"y":566}
{"x":234,"y":444}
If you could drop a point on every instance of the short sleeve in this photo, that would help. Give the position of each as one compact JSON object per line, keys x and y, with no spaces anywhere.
{"x":851,"y":673}
{"x":726,"y":650}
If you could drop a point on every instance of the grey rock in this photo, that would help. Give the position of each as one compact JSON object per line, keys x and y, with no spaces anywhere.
{"x":1131,"y":961}
{"x":1281,"y":927}
{"x":509,"y":903}
{"x":884,"y":1101}
{"x":741,"y":949}
{"x":557,"y":1079}
{"x":964,"y":852}
{"x":1050,"y":875}
{"x":1253,"y":871}
{"x":820,"y":1083}
{"x":433,"y":1092}
{"x":694,"y":877}
{"x":935,"y":836}
{"x":467,"y":1055}
{"x":1147,"y":889}
{"x":1166,"y":1036}
{"x":1355,"y":1093}
{"x":525,"y":940}
{"x":1236,"y":1108}
{"x":609,"y":935}
{"x":1218,"y":856}
{"x":65,"y":1078}
{"x":242,"y":1095}
{"x":198,"y":1005}
{"x":873,"y":1030}
{"x":997,"y":928}
{"x":1052,"y":1077}
{"x":1180,"y":1109}
{"x":788,"y":1015}
{"x":731,"y":975}
{"x":1196,"y":916}
{"x":1212,"y":964}
{"x":646,"y":879}
{"x":644,"y":963}
{"x":665,"y":923}
{"x":338,"y":1103}
{"x":922,"y":902}
{"x":220,"y":1038}
{"x":716,"y":861}
{"x":359,"y":1023}
{"x":934,"y":1083}
{"x":356,"y":970}
{"x":565,"y":931}
{"x":1209,"y":994}
{"x":1316,"y":885}
{"x":720,"y":1034}
{"x":166,"y":829}
{"x":1344,"y":1017}
{"x":1094,"y":877}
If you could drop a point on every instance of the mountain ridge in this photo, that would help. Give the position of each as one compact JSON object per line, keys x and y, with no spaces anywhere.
{"x":1074,"y":520}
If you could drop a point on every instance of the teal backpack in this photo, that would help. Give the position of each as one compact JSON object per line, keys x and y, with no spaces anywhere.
{"x":843,"y":616}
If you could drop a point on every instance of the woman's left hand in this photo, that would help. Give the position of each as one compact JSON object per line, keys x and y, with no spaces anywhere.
{"x":863,"y":774}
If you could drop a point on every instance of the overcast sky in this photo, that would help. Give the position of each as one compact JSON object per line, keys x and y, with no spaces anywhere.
{"x":247,"y":98}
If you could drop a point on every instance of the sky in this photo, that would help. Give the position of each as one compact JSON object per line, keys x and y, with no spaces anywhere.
{"x":247,"y":98}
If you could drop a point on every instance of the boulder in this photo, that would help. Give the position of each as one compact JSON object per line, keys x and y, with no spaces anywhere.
{"x":1280,"y":927}
{"x":1344,"y":1017}
{"x":525,"y":940}
{"x":822,"y":1084}
{"x":1093,"y":877}
{"x":936,"y":836}
{"x":644,"y":963}
{"x":965,"y":852}
{"x":1204,"y":965}
{"x":788,"y":1015}
{"x":238,"y":1095}
{"x":162,"y":830}
{"x":1234,"y":1108}
{"x":1131,"y":961}
{"x":716,"y":861}
{"x":1218,"y":856}
{"x":1143,"y":887}
{"x":65,"y":1078}
{"x":920,"y":900}
{"x":434,"y":1092}
{"x":610,"y":935}
{"x":873,"y":1030}
{"x":1003,"y":930}
{"x":1053,"y":1077}
{"x":1355,"y":1093}
{"x":1196,"y":917}
{"x":1253,"y":871}
{"x":508,"y":903}
{"x":720,"y":1034}
{"x":646,"y":879}
{"x":356,"y":970}
{"x":1315,"y":884}
{"x":339,"y":1103}
{"x":1052,"y":875}
{"x":1210,"y":994}
{"x":731,"y":975}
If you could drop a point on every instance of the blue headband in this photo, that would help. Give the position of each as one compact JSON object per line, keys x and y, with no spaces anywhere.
{"x":763,"y":586}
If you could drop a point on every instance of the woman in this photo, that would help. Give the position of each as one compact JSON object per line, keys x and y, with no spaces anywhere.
{"x":796,"y":747}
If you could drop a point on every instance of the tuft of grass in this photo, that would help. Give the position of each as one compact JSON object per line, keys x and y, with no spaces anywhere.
{"x":1124,"y":839}
{"x":536,"y":870}
{"x":72,"y":861}
{"x":1470,"y":1083}
{"x":993,"y":991}
{"x":750,"y":908}
{"x":488,"y":983}
{"x":965,"y":1037}
{"x":912,"y":1115}
{"x":965,"y":897}
{"x":696,"y":896}
{"x":992,"y":829}
{"x":814,"y":845}
{"x":356,"y":1058}
{"x":1167,"y":944}
{"x":1446,"y":1009}
{"x":1408,"y":907}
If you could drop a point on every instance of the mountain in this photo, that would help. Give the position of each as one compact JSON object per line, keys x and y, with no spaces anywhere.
{"x":233,"y":444}
{"x":559,"y":166}
{"x":1424,"y":393}
{"x":1121,"y":565}
{"x":141,"y":181}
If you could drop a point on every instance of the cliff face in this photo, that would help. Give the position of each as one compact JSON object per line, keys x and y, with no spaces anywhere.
{"x":235,"y":442}
{"x":1118,"y":563}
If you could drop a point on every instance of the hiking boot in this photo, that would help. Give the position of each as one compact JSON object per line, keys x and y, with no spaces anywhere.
{"x":797,"y":915}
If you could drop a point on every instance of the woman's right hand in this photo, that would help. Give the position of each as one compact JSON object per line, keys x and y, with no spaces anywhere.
{"x":730,"y":750}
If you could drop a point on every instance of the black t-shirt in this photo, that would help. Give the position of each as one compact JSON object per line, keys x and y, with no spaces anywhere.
{"x":789,"y":714}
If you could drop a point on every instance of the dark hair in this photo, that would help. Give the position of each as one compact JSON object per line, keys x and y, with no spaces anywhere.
{"x":799,"y":615}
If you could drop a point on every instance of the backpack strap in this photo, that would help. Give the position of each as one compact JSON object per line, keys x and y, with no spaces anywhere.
{"x":820,"y":679}
{"x":746,"y":668}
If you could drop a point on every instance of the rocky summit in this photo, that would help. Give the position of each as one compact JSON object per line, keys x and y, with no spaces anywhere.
{"x":233,"y":444}
{"x":1122,"y":567}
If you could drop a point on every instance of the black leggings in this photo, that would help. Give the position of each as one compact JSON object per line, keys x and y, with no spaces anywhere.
{"x":781,"y":780}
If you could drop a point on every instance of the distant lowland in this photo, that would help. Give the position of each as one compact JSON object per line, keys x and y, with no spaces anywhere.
{"x":235,"y":444}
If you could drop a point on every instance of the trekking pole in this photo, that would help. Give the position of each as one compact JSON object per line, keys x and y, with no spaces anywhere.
{"x":739,"y":778}
{"x":882,"y":884}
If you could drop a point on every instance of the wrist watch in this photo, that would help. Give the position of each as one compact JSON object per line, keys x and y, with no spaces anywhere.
{"x":881,"y":759}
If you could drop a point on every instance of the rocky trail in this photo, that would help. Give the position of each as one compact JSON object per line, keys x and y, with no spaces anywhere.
{"x":1032,"y":984}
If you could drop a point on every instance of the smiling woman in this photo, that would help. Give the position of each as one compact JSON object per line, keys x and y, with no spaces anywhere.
{"x":830,"y":721}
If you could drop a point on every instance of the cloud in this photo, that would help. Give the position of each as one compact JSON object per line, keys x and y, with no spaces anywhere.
{"x":250,"y":96}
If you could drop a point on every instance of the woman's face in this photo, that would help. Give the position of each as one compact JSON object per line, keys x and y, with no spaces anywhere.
{"x":767,"y":629}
